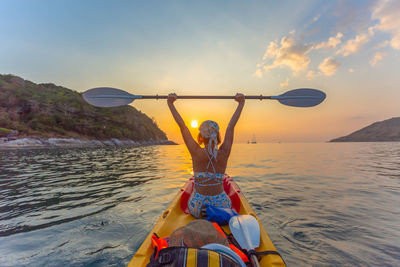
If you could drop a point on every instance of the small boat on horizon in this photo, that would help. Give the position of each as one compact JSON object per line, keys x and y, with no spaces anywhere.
{"x":253,"y":140}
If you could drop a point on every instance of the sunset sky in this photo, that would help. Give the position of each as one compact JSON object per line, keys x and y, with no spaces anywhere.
{"x":348,"y":49}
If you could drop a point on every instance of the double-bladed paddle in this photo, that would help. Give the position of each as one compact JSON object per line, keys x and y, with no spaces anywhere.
{"x":112,"y":97}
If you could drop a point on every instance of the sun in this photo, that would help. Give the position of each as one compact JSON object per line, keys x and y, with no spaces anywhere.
{"x":194,"y":124}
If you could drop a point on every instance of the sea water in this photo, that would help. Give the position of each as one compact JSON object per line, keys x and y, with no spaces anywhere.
{"x":323,"y":204}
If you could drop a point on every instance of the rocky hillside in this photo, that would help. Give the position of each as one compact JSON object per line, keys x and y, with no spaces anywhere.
{"x":387,"y":130}
{"x":47,"y":110}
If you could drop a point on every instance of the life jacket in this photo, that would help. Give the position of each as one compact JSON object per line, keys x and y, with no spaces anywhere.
{"x":161,"y":243}
{"x":231,"y":245}
{"x":190,"y":257}
{"x":158,"y":243}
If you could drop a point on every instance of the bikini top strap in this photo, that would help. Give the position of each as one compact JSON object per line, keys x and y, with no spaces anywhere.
{"x":218,"y":180}
{"x":209,"y":162}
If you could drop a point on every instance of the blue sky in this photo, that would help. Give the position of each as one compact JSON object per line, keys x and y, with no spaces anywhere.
{"x":350,"y":49}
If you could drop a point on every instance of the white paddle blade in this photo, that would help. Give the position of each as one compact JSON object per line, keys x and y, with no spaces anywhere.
{"x":108,"y":97}
{"x":246,"y":231}
{"x":303,"y":97}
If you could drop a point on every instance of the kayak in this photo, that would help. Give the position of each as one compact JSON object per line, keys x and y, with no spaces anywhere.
{"x":177,"y":215}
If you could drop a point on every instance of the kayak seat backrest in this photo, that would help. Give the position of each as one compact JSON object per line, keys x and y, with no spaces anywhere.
{"x":230,"y":189}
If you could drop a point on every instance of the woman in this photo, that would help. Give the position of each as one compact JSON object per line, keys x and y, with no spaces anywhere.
{"x":209,"y":163}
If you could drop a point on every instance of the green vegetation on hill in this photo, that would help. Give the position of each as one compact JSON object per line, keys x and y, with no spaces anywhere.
{"x":48,"y":110}
{"x":387,"y":130}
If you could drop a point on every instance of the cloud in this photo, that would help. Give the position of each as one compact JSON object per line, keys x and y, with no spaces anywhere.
{"x":272,"y":50}
{"x":387,"y":12}
{"x":377,"y":57}
{"x":329,"y":66}
{"x":382,"y":44}
{"x":288,"y":53}
{"x":311,"y":75}
{"x":258,"y":73}
{"x":285,"y":83}
{"x":331,"y":43}
{"x":353,"y":45}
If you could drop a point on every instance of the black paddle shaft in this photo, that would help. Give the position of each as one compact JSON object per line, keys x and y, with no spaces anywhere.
{"x":260,"y":97}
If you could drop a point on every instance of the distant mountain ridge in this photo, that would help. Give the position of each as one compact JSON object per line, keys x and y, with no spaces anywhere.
{"x":387,"y":130}
{"x":47,"y":110}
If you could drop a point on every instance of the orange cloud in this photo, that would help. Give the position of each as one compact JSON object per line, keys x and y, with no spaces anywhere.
{"x":285,"y":83}
{"x":382,"y":44}
{"x":387,"y":12}
{"x":329,"y":66}
{"x":288,"y":54}
{"x":377,"y":57}
{"x":331,"y":43}
{"x":353,"y":45}
{"x":311,"y":75}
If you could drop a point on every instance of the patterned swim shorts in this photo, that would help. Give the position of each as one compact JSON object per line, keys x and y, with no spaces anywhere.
{"x":197,"y":201}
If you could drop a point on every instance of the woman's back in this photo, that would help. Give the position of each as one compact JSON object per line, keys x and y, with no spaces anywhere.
{"x":202,"y":158}
{"x":204,"y":167}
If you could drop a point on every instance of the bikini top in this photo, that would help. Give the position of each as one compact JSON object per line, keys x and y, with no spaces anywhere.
{"x":217,"y":178}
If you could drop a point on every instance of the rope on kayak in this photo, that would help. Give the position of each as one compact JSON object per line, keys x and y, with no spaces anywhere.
{"x":264,"y":253}
{"x":232,"y":240}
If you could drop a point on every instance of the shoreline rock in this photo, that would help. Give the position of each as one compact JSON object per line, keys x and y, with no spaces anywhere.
{"x":47,"y":110}
{"x":35,"y":142}
{"x":381,"y":131}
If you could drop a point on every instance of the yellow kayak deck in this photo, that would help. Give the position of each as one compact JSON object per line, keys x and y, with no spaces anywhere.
{"x":174,"y":217}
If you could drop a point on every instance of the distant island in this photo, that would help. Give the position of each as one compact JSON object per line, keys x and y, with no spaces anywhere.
{"x":45,"y":111}
{"x":387,"y":130}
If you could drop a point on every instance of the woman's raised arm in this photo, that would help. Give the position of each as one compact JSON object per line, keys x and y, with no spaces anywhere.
{"x":191,"y":144}
{"x":228,"y":140}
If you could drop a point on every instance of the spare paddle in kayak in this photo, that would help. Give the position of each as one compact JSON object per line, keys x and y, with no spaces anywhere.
{"x":112,"y":97}
{"x":246,"y":231}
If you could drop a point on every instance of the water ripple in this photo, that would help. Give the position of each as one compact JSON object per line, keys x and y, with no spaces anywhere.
{"x":322,"y":204}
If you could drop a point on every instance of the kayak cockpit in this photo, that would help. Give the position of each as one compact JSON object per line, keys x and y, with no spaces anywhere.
{"x":177,"y":215}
